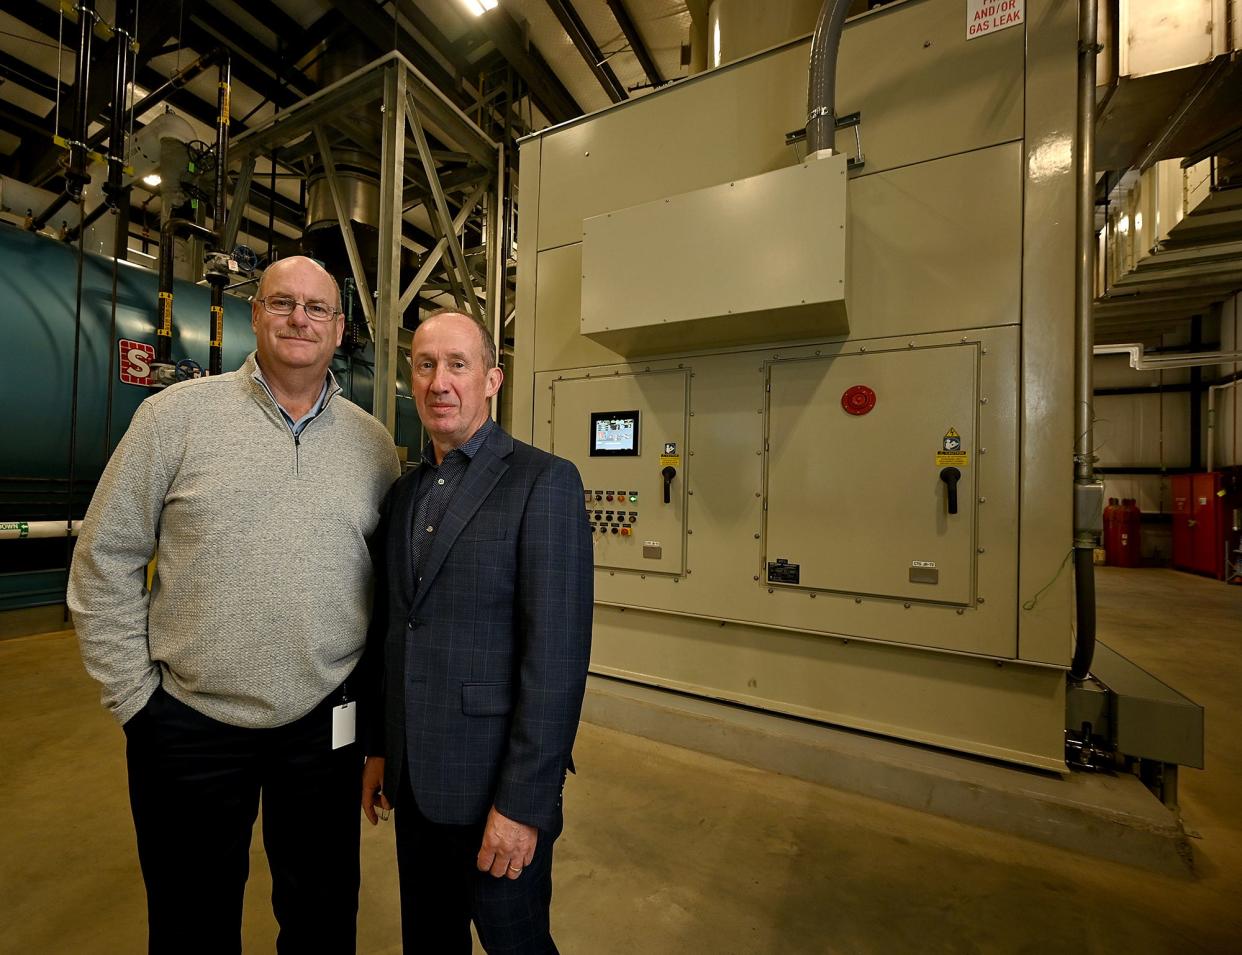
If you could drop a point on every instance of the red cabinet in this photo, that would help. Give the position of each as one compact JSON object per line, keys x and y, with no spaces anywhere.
{"x":1199,"y":524}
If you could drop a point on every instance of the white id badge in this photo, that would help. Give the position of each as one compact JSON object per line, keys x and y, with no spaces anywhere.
{"x":343,"y":719}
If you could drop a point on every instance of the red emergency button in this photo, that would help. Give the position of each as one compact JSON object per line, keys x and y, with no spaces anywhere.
{"x":625,"y":532}
{"x":858,"y":400}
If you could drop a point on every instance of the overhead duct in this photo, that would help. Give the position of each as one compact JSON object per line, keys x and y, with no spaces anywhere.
{"x":357,"y":172}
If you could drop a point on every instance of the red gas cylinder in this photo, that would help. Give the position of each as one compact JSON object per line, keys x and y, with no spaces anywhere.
{"x":1127,"y":520}
{"x":1112,"y":542}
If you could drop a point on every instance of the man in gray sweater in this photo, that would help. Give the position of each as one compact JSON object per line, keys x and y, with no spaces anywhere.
{"x":233,"y":676}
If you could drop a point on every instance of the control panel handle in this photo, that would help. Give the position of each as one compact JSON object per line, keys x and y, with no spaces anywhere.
{"x":669,"y":473}
{"x":951,"y":476}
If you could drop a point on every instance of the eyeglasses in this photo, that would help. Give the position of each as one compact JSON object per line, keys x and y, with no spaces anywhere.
{"x":283,"y":306}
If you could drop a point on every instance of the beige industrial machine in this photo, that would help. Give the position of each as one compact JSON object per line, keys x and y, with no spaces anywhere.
{"x":822,"y":403}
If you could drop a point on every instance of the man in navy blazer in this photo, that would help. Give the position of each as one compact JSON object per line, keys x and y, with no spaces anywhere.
{"x":479,"y":649}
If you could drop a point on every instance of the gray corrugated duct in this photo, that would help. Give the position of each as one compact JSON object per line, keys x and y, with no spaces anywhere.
{"x":821,"y":97}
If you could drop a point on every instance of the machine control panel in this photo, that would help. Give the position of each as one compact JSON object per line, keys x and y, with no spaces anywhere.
{"x":608,"y":512}
{"x":624,"y":432}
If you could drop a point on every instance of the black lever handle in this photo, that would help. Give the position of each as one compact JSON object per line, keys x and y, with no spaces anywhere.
{"x":951,"y":476}
{"x":669,"y":473}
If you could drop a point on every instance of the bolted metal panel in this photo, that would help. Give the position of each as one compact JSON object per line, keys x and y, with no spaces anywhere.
{"x":1014,"y":713}
{"x":938,"y":245}
{"x":855,"y":500}
{"x":630,"y":490}
{"x":727,"y":502}
{"x":701,"y":285}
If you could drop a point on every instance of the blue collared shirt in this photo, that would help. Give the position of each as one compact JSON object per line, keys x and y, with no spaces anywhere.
{"x":295,"y":426}
{"x":434,"y":492}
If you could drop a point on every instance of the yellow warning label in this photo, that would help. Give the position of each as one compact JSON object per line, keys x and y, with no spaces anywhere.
{"x":217,"y":325}
{"x":951,"y":452}
{"x":670,"y":460}
{"x":166,"y":315}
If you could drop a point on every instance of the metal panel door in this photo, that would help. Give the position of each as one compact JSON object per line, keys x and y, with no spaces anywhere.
{"x":634,"y":528}
{"x":855,"y":498}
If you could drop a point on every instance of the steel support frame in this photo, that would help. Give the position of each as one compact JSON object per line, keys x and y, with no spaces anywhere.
{"x":407,"y":101}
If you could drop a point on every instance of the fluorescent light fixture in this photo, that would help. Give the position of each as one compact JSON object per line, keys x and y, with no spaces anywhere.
{"x":479,"y":7}
{"x":152,"y":180}
{"x":1138,"y":222}
{"x":1123,"y":225}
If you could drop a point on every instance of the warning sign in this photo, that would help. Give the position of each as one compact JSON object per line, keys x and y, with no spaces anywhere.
{"x":670,"y":457}
{"x":951,"y":452}
{"x":136,"y":361}
{"x":989,"y":16}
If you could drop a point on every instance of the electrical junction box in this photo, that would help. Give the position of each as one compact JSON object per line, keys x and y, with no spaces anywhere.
{"x":622,"y":431}
{"x":688,"y":270}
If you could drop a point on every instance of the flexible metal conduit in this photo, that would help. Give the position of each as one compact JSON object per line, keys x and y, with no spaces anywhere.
{"x":821,"y":130}
{"x":1085,"y":539}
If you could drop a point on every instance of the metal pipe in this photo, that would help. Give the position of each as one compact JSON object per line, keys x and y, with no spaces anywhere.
{"x":1086,"y":536}
{"x":821,"y":96}
{"x":37,"y":530}
{"x":125,"y":13}
{"x":162,"y":92}
{"x":1140,"y":361}
{"x":164,"y":304}
{"x":76,"y":175}
{"x":218,"y":275}
{"x":1084,"y":324}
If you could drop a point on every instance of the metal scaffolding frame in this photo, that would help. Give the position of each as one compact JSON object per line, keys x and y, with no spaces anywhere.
{"x":466,"y":165}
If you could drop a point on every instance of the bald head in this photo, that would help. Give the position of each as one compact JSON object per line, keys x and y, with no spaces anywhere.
{"x":297,"y":264}
{"x":488,"y":346}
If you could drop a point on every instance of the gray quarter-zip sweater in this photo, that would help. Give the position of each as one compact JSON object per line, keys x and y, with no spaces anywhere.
{"x":262,"y":590}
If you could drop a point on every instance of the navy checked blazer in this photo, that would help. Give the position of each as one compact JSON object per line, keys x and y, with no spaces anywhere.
{"x":481,"y":669}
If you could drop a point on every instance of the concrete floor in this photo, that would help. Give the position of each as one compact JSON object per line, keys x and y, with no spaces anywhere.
{"x":670,"y":851}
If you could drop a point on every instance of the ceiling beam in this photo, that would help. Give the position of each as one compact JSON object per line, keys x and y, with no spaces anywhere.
{"x":549,"y":94}
{"x":253,"y":64}
{"x":634,"y":38}
{"x":586,"y":45}
{"x":275,"y":19}
{"x":28,"y":78}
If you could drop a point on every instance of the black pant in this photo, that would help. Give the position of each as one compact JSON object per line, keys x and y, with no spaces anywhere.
{"x":194,"y":788}
{"x":442,"y":890}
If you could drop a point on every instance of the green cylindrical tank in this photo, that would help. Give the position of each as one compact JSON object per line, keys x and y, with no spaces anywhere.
{"x":38,"y":284}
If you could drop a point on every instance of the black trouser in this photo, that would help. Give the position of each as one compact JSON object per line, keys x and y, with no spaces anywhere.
{"x":442,"y":890}
{"x":194,"y":787}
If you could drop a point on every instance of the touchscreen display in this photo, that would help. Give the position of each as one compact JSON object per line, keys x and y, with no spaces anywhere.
{"x":614,"y":433}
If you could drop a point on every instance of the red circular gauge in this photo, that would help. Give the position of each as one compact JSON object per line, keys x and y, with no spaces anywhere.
{"x":858,"y":400}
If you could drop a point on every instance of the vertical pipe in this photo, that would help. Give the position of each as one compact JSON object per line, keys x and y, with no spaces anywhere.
{"x":218,"y":275}
{"x":124,"y":32}
{"x":1085,"y":538}
{"x":73,"y":403}
{"x":1084,"y":324}
{"x":76,"y":175}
